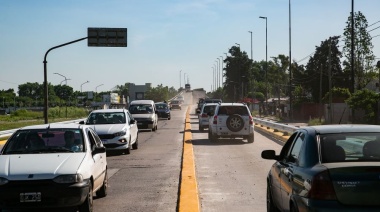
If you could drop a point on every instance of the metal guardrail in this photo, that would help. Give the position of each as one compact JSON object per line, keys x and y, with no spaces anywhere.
{"x":7,"y":133}
{"x":277,"y":127}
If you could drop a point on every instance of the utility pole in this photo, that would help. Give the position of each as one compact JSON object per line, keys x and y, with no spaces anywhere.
{"x":330,"y":86}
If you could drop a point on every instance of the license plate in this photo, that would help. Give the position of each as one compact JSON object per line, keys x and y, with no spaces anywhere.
{"x":30,"y":197}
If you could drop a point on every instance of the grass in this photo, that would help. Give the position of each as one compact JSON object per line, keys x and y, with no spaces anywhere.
{"x":22,"y":118}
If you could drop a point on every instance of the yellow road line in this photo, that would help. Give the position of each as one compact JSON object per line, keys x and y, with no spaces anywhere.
{"x":188,"y":200}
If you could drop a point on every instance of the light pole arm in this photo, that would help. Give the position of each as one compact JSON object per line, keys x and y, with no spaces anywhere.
{"x":45,"y":77}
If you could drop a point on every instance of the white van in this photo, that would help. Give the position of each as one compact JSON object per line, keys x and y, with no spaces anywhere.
{"x":145,"y":113}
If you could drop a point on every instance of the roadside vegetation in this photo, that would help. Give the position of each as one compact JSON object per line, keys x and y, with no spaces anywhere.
{"x":21,"y":118}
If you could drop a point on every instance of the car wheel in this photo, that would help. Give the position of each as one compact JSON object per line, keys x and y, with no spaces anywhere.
{"x":251,"y":138}
{"x":270,"y":205}
{"x":201,"y":128}
{"x":136,"y":144}
{"x":102,"y":192}
{"x":235,"y":123}
{"x":88,"y":204}
{"x":127,"y":151}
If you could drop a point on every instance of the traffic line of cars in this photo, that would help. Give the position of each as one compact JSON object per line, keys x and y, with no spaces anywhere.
{"x":64,"y":165}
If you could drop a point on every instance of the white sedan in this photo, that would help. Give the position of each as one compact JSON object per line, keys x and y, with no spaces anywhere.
{"x":52,"y":165}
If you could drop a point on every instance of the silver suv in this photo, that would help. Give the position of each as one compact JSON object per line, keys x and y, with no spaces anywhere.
{"x":231,"y":120}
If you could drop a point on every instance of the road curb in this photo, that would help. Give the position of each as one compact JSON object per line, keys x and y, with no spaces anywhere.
{"x":188,"y":199}
{"x":271,"y":132}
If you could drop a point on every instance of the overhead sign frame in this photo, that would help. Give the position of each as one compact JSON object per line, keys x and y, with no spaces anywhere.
{"x":107,"y":37}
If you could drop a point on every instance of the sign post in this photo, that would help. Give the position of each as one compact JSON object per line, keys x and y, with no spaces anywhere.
{"x":97,"y":37}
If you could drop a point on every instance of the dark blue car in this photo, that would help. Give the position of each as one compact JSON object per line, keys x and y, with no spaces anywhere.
{"x":163,"y":110}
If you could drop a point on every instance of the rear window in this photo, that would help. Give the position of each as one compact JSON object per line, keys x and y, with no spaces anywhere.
{"x":230,"y":110}
{"x":348,"y":147}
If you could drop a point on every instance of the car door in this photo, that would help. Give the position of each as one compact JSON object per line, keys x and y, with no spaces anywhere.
{"x":132,"y":126}
{"x":288,"y":174}
{"x":277,"y":171}
{"x":99,"y":165}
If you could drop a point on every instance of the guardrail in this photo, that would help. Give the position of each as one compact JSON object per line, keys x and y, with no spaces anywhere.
{"x":7,"y":133}
{"x":277,"y":127}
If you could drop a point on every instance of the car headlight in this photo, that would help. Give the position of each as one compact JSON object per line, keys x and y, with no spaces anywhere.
{"x":3,"y":181}
{"x":70,"y":178}
{"x":121,"y":133}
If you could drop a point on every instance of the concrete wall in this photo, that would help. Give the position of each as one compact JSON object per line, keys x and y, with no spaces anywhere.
{"x":137,"y":92}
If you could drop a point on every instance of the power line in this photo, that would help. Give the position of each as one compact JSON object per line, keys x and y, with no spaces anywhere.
{"x":373,"y":24}
{"x":9,"y":82}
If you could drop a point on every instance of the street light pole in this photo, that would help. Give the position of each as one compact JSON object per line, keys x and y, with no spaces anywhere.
{"x":218,"y":72}
{"x":63,"y":77}
{"x":213,"y":79}
{"x":251,"y":43}
{"x":180,"y":85}
{"x":290,"y":65}
{"x":221,"y":73}
{"x":266,"y":60}
{"x":83,"y":84}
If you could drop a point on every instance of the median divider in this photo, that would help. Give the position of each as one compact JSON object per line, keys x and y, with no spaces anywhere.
{"x":282,"y":136}
{"x":188,"y":193}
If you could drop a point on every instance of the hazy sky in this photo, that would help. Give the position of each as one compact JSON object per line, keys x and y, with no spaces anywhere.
{"x":164,"y":37}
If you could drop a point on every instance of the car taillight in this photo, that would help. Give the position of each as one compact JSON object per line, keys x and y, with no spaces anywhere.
{"x":215,"y":120}
{"x":204,"y":115}
{"x":322,"y":187}
{"x":250,"y":120}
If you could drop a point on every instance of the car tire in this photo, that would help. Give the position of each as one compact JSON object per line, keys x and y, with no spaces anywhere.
{"x":127,"y":151}
{"x":251,"y":138}
{"x":270,"y":205}
{"x":235,"y":123}
{"x":102,"y":192}
{"x":136,"y":144}
{"x":87,"y":205}
{"x":201,"y":128}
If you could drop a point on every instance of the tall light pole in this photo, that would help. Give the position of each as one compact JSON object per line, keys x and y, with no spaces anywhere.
{"x":290,"y":65}
{"x":218,"y":72}
{"x":180,"y":85}
{"x":221,"y":75}
{"x":251,"y":42}
{"x":63,"y":77}
{"x":266,"y":60}
{"x":83,"y":84}
{"x":96,"y":90}
{"x":213,"y":79}
{"x":184,"y":78}
{"x":226,"y":68}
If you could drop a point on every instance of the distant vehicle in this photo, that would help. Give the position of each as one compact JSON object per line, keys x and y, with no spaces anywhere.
{"x":180,"y":98}
{"x":203,"y":101}
{"x":145,"y":113}
{"x":231,"y":120}
{"x":116,"y":128}
{"x":187,"y":87}
{"x":52,"y":165}
{"x":175,"y":104}
{"x":326,"y":168}
{"x":163,"y":110}
{"x":205,"y":114}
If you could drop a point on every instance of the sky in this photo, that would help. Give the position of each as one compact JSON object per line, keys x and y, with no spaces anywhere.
{"x":169,"y":41}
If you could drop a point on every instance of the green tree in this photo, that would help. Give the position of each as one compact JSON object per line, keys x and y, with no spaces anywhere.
{"x":158,"y":94}
{"x":366,"y":100}
{"x":316,"y":77}
{"x":363,"y":55}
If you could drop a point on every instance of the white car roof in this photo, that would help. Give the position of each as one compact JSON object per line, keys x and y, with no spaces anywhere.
{"x":141,"y":102}
{"x":232,"y":104}
{"x":55,"y":125}
{"x":108,"y":110}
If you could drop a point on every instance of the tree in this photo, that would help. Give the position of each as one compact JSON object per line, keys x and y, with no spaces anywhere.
{"x":363,"y":55}
{"x":316,"y":77}
{"x":366,"y":100}
{"x":122,"y":90}
{"x":157,"y":94}
{"x":237,"y":73}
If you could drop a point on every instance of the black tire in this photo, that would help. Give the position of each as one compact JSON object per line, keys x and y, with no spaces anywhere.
{"x":102,"y":192}
{"x":87,"y":205}
{"x":270,"y":205}
{"x":127,"y":151}
{"x":201,"y":128}
{"x":251,"y":138}
{"x":136,"y":144}
{"x":235,"y":123}
{"x":154,"y":128}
